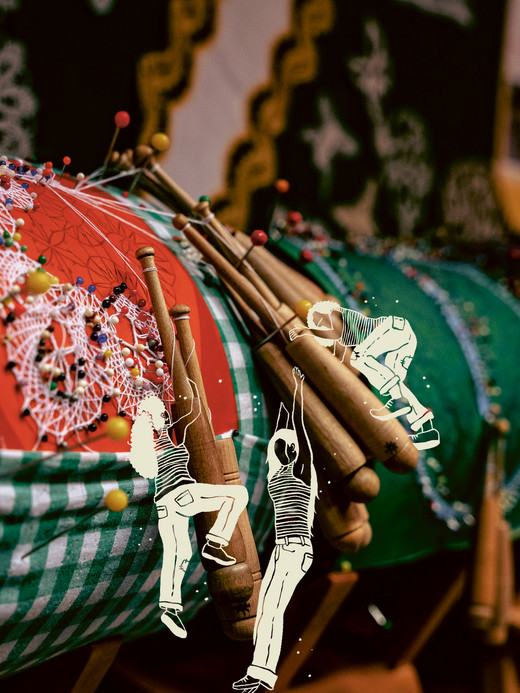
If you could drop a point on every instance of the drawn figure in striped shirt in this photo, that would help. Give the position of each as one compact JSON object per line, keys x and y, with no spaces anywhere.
{"x":292,"y":486}
{"x":382,"y":349}
{"x":178,"y":497}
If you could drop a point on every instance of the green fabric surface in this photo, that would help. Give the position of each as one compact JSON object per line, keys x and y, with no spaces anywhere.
{"x":408,"y":522}
{"x":101,"y":579}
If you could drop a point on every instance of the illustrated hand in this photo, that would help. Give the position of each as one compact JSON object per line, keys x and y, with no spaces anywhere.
{"x":294,"y":332}
{"x":297,"y":374}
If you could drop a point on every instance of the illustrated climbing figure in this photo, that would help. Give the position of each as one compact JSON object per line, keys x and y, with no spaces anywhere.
{"x":382,"y":349}
{"x":178,"y":496}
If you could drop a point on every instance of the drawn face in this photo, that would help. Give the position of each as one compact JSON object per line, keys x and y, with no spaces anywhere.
{"x":322,"y":321}
{"x":286,"y":446}
{"x":163,"y":421}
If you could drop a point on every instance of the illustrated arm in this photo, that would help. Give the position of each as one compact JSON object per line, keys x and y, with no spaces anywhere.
{"x":303,"y":466}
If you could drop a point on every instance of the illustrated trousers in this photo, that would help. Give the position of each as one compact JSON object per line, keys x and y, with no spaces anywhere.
{"x":397,"y":341}
{"x":289,"y":562}
{"x":174,"y":511}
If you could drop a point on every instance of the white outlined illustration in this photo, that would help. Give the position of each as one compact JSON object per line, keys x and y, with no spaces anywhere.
{"x":382,"y":349}
{"x":292,"y":485}
{"x":178,"y":497}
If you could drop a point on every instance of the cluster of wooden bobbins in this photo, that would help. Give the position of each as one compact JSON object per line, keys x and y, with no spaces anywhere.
{"x":271,"y":298}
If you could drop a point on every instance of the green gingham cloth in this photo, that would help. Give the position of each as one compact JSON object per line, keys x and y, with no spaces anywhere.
{"x":101,"y":579}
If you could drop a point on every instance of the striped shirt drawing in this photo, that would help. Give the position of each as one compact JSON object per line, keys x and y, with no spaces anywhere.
{"x":291,"y":499}
{"x":356,"y":327}
{"x":172,"y":462}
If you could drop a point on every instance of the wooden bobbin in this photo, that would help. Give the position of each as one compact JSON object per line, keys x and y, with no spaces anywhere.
{"x":178,"y":375}
{"x":144,"y":156}
{"x":344,"y":525}
{"x":352,"y":401}
{"x":180,"y":315}
{"x":225,"y":450}
{"x":484,"y":594}
{"x":231,"y":586}
{"x":333,"y":446}
{"x":232,"y":251}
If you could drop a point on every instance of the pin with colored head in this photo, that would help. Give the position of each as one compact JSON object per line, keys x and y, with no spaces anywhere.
{"x":302,"y":308}
{"x":159,"y":143}
{"x":121,"y":120}
{"x":281,"y":187}
{"x":258,"y":239}
{"x":115,"y":501}
{"x":66,"y":162}
{"x":79,"y":179}
{"x":117,"y":428}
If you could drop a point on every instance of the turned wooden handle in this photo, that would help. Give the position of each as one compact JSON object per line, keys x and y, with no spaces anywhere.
{"x":238,"y":630}
{"x":180,"y":315}
{"x":230,"y":586}
{"x":178,"y":375}
{"x":241,"y":628}
{"x":483,"y":606}
{"x":344,"y":525}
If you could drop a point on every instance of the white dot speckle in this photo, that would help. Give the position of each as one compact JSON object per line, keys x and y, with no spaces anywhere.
{"x":397,"y":300}
{"x":220,"y":380}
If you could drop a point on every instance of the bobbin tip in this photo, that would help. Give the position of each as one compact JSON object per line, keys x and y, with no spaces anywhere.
{"x":202,"y":207}
{"x":143,"y":155}
{"x":178,"y":310}
{"x":145,"y":251}
{"x":180,"y":222}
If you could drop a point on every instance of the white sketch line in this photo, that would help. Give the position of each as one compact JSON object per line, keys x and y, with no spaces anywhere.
{"x":382,"y":349}
{"x":292,"y":486}
{"x":178,"y":497}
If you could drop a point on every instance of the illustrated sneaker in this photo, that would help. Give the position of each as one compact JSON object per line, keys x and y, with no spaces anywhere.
{"x":392,"y":409}
{"x":248,"y":684}
{"x":426,"y":439}
{"x":215,"y":552}
{"x":172,"y":621}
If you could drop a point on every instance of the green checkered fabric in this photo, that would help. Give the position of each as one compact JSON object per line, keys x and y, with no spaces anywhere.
{"x":101,"y":578}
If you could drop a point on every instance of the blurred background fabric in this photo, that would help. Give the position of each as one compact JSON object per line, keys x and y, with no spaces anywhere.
{"x":379,"y":113}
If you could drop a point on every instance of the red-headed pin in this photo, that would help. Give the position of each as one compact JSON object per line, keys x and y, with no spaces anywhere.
{"x":122,"y":120}
{"x":258,"y":238}
{"x":66,"y":162}
{"x":306,"y":256}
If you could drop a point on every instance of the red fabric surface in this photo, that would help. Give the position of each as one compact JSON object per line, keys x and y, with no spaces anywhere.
{"x":61,"y":230}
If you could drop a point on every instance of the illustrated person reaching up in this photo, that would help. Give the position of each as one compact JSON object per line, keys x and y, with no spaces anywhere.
{"x":292,"y":485}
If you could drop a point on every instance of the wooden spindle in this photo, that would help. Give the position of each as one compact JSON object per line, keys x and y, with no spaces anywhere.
{"x":231,"y":586}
